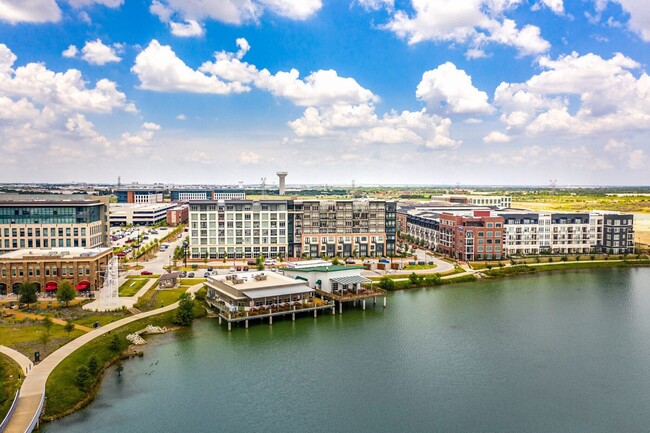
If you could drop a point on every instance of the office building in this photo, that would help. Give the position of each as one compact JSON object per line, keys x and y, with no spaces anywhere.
{"x":186,"y":194}
{"x":139,"y":214}
{"x":139,"y":195}
{"x":46,"y":268}
{"x":53,"y":223}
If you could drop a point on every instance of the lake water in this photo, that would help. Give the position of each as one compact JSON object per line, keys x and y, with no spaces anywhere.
{"x":567,"y":352}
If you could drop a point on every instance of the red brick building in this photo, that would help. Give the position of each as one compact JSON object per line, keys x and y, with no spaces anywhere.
{"x":178,"y":215}
{"x":471,"y":238}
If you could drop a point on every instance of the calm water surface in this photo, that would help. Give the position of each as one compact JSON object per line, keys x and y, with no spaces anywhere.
{"x":563,"y":352}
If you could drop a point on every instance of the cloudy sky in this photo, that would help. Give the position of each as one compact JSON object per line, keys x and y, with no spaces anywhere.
{"x":380,"y":91}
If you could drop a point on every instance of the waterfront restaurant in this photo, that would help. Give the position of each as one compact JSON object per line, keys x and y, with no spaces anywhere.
{"x":327,"y":277}
{"x":248,"y":291}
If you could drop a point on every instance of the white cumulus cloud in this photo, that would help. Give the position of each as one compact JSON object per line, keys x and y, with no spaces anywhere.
{"x":97,"y":53}
{"x":451,"y":89}
{"x":189,"y":28}
{"x":472,"y":22}
{"x":70,"y":52}
{"x":29,"y":11}
{"x":159,"y":69}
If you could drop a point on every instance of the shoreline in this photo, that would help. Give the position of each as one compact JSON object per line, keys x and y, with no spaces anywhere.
{"x":124,"y":355}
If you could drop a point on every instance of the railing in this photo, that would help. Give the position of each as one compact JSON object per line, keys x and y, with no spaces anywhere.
{"x":37,"y":415}
{"x":5,"y":422}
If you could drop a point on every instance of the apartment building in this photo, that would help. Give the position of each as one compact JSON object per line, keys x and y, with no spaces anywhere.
{"x":139,"y":195}
{"x":178,"y":215}
{"x":618,"y":233}
{"x":478,"y":236}
{"x":238,"y":229}
{"x":525,"y":232}
{"x":342,"y":228}
{"x":53,"y":223}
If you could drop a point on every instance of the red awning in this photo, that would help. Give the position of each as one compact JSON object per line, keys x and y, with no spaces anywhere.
{"x":50,"y":285}
{"x":81,"y":287}
{"x":50,"y":288}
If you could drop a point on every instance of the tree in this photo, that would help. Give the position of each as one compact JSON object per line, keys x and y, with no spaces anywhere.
{"x":335,"y":261}
{"x":93,"y":365}
{"x":65,"y":293}
{"x":413,"y":278}
{"x":68,"y":327}
{"x":82,"y":377}
{"x":28,"y":293}
{"x":259,"y":262}
{"x":185,"y":312}
{"x":386,"y":284}
{"x":44,"y":338}
{"x":47,"y":324}
{"x":115,"y":345}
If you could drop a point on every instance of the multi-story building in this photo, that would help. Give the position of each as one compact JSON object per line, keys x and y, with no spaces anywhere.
{"x":178,"y":215}
{"x":46,"y":268}
{"x":185,"y":195}
{"x":528,"y":233}
{"x":342,"y":228}
{"x":618,"y":233}
{"x":139,"y":214}
{"x":139,"y":195}
{"x":51,"y":223}
{"x":500,"y":201}
{"x":238,"y":229}
{"x":478,"y":236}
{"x":312,"y":228}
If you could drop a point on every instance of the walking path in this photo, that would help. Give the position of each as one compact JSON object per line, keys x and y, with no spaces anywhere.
{"x":24,"y":362}
{"x":33,"y":388}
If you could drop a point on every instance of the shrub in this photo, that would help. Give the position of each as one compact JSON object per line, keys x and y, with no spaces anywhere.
{"x":93,"y":365}
{"x":386,"y":284}
{"x":115,"y":345}
{"x":414,"y":279}
{"x":82,"y":377}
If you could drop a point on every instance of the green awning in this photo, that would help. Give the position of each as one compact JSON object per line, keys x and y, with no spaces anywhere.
{"x":301,"y":278}
{"x":319,"y":282}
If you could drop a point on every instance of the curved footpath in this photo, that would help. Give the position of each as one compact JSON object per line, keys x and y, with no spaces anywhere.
{"x":33,"y":389}
{"x":24,"y":362}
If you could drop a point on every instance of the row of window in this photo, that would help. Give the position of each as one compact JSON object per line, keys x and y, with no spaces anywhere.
{"x":47,"y":271}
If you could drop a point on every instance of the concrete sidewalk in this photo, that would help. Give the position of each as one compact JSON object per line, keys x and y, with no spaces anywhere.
{"x":24,"y":362}
{"x":33,"y":388}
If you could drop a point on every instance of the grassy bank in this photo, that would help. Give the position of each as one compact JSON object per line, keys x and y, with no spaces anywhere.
{"x":131,"y":286}
{"x":9,"y":384}
{"x":25,"y":336}
{"x":64,"y":396}
{"x":428,"y":281}
{"x":528,"y":269}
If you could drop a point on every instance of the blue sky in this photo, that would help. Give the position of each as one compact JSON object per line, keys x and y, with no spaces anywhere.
{"x":380,"y":91}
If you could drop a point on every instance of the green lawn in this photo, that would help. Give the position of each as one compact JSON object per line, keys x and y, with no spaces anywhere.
{"x":419,"y":267}
{"x":25,"y":337}
{"x":187,"y":282}
{"x":9,"y":383}
{"x":103,"y":319}
{"x":132,"y":285}
{"x":63,"y":395}
{"x":155,"y":298}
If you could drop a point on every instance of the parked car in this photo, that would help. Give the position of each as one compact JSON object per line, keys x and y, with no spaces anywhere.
{"x":162,"y":228}
{"x":245,"y":268}
{"x":384,"y":261}
{"x":206,"y":275}
{"x":269,"y":261}
{"x":190,"y":275}
{"x":183,"y":274}
{"x":350,"y":262}
{"x":210,"y":268}
{"x":251,"y":263}
{"x":121,"y":254}
{"x":146,"y":273}
{"x":238,"y":268}
{"x":232,"y":269}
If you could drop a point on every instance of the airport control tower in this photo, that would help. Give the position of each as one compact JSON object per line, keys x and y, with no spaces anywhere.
{"x":282,"y":175}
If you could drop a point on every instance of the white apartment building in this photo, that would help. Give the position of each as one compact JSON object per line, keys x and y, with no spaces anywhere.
{"x":501,"y":201}
{"x":238,"y":229}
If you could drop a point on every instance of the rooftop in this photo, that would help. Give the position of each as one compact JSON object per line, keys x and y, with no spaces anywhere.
{"x":68,"y":253}
{"x":253,"y":280}
{"x":332,"y":268}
